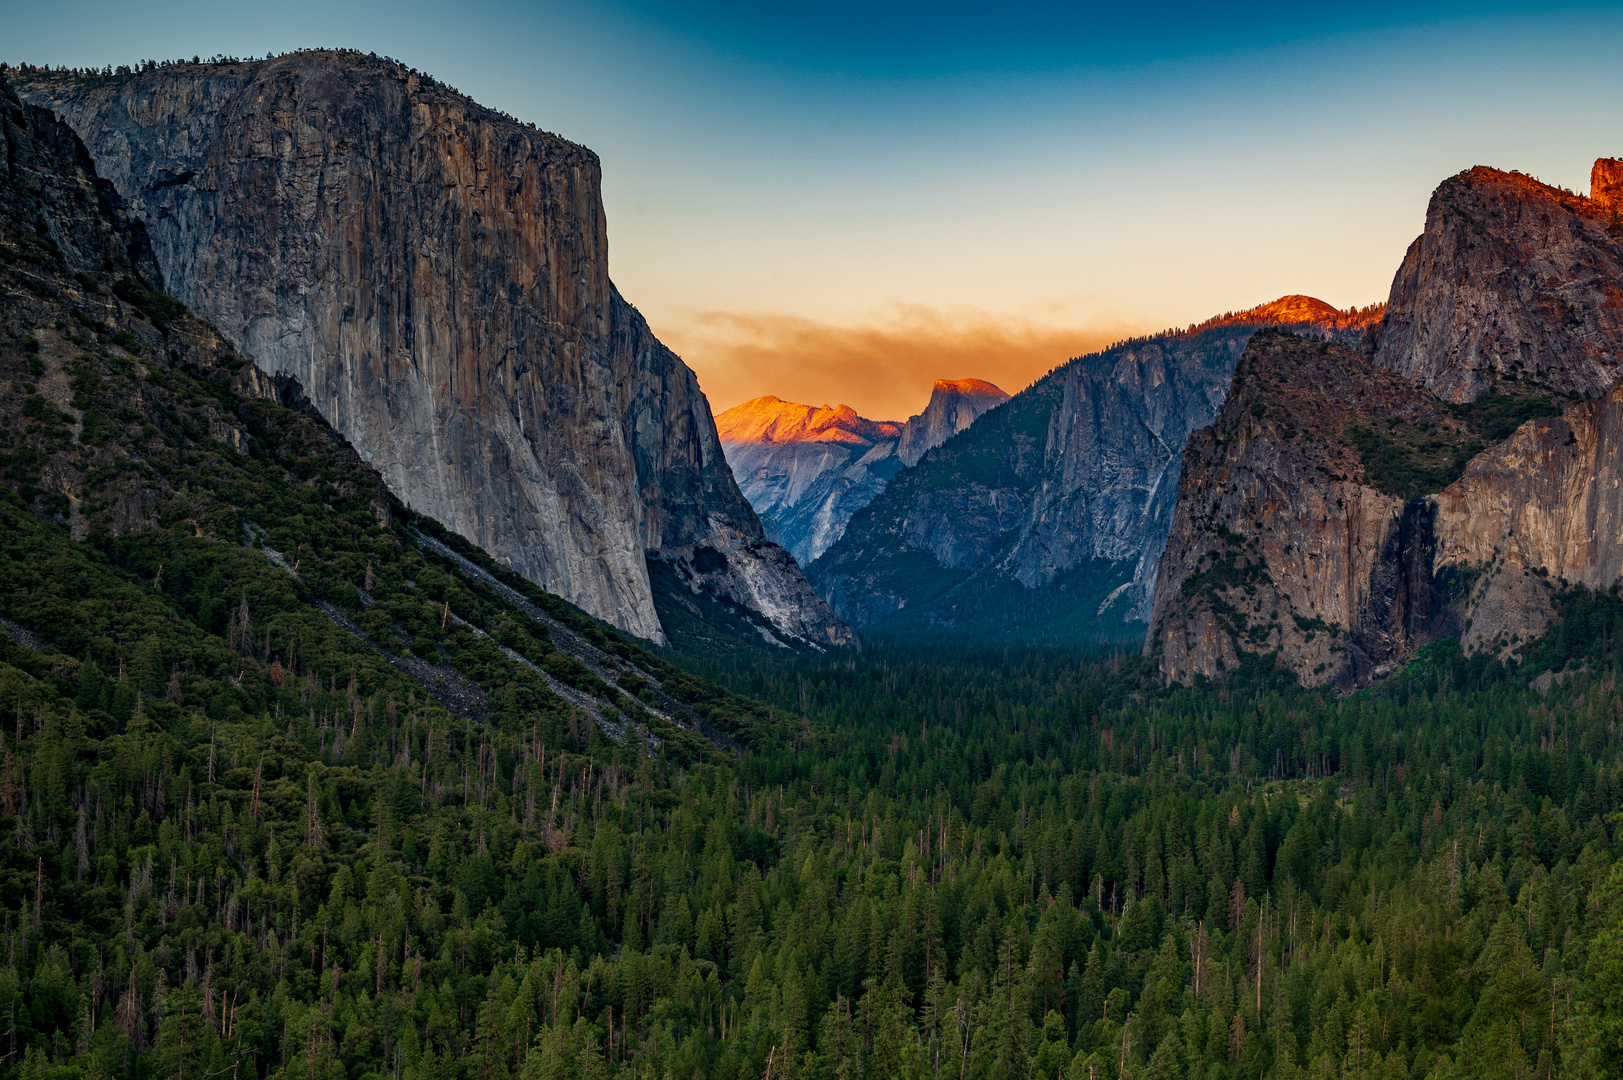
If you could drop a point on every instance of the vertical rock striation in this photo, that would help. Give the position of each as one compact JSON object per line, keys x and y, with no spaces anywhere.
{"x":435,"y":274}
{"x":81,"y":297}
{"x":1111,"y":461}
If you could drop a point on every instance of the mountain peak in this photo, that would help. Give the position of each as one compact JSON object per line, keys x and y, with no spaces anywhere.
{"x":954,"y":405}
{"x":770,"y":419}
{"x":968,"y":387}
{"x":1297,"y":309}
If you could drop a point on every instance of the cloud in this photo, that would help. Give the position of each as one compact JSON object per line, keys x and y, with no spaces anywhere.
{"x":883,"y":369}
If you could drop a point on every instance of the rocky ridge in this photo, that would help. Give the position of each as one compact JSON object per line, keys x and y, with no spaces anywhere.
{"x":435,"y":275}
{"x":1046,"y":517}
{"x":81,"y":275}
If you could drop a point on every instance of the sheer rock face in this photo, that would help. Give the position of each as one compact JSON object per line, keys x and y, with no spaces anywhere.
{"x":1281,"y":545}
{"x":436,"y":276}
{"x":1278,"y":543}
{"x":1544,"y":506}
{"x":806,"y":470}
{"x":954,"y":405}
{"x":54,"y":182}
{"x":1113,"y":454}
{"x":1511,"y":278}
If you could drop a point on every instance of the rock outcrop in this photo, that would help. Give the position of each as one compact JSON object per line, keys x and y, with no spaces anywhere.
{"x":1606,"y":182}
{"x":1511,"y":279}
{"x":1544,"y":507}
{"x":435,"y":274}
{"x":1046,"y":518}
{"x":1342,"y":552}
{"x":1282,"y":542}
{"x":806,"y":470}
{"x":1294,"y":536}
{"x":954,"y":405}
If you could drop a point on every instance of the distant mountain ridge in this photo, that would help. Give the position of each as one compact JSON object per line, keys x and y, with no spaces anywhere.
{"x":774,"y":421}
{"x":807,"y":469}
{"x":1045,"y":518}
{"x":1299,"y":310}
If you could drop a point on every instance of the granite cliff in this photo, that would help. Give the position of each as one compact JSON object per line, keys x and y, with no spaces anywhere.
{"x":1447,"y":482}
{"x":1511,"y":279}
{"x":1045,"y":518}
{"x":435,"y":274}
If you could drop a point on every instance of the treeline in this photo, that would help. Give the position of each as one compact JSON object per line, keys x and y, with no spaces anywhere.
{"x":92,"y":77}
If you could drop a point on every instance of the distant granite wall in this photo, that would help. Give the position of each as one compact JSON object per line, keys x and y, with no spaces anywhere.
{"x":954,"y":405}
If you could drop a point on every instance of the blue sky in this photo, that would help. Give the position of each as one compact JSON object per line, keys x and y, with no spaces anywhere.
{"x":845,"y":200}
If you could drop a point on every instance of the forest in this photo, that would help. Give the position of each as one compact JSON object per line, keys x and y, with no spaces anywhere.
{"x":242,"y":844}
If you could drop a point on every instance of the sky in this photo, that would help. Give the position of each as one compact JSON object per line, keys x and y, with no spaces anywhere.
{"x":840,"y":202}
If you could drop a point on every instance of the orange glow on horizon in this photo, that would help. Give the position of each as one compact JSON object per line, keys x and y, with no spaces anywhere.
{"x":883,"y":370}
